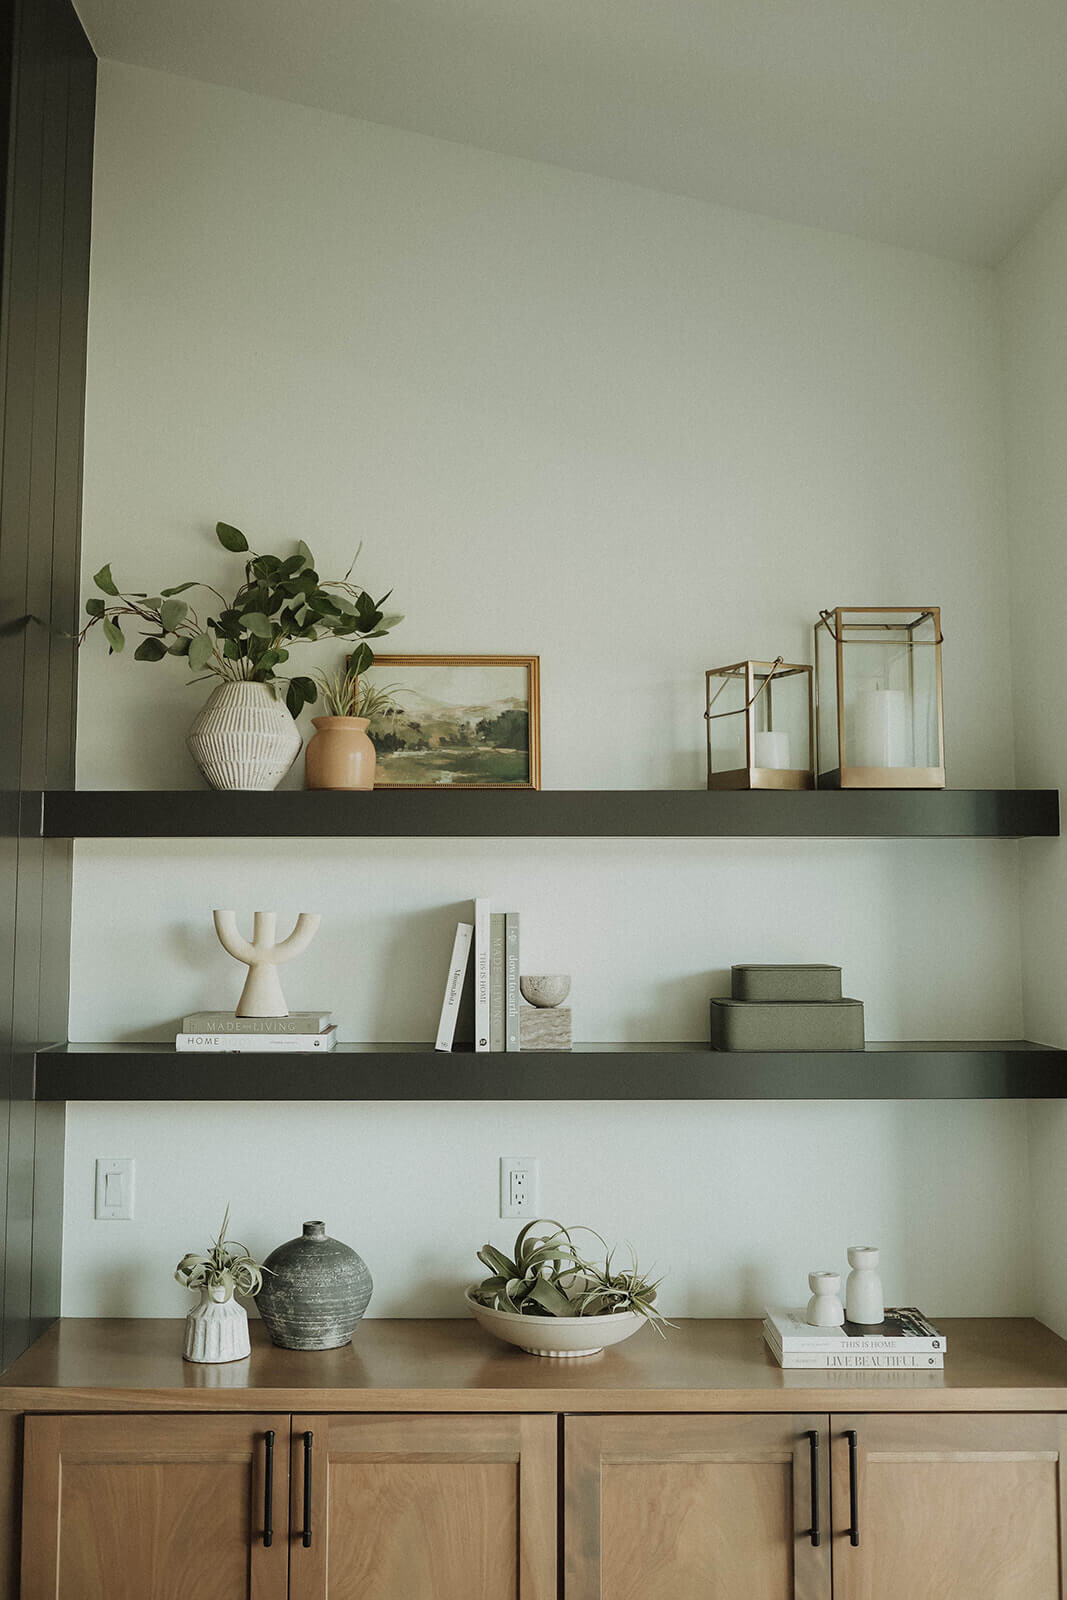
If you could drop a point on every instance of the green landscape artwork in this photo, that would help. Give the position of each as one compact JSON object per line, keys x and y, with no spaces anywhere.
{"x":449,"y":723}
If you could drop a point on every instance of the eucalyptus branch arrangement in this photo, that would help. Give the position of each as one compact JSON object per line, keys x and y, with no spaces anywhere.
{"x":227,"y":1265}
{"x":282,"y":601}
{"x":550,"y":1277}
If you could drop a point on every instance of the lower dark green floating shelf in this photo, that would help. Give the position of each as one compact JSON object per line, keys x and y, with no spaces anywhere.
{"x":1011,"y":1069}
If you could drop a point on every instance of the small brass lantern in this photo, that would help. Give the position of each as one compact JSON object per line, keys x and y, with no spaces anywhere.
{"x":759,"y":720}
{"x":879,"y":716}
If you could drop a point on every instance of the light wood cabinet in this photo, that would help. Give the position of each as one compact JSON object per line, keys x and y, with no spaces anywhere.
{"x":697,"y":1508}
{"x":432,"y":1464}
{"x":425,"y":1508}
{"x":962,"y":1508}
{"x":154,"y":1508}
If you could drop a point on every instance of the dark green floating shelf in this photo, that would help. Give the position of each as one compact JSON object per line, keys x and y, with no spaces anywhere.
{"x":1001,"y":1070}
{"x":551,"y":813}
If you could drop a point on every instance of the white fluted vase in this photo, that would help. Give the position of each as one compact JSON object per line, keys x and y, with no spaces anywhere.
{"x":244,"y":738}
{"x":216,"y":1329}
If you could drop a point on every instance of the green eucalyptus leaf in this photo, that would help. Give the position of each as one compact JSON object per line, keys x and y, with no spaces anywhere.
{"x":95,"y":606}
{"x":180,"y":647}
{"x":306,"y":688}
{"x":113,"y":635}
{"x":306,"y":558}
{"x":201,"y":649}
{"x":172,"y":613}
{"x":361,"y":658}
{"x":179,"y":588}
{"x":105,"y":581}
{"x":150,"y":650}
{"x":255,"y":622}
{"x":230,"y":538}
{"x":294,"y":700}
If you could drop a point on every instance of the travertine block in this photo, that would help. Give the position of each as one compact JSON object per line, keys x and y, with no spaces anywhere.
{"x":547,"y":1028}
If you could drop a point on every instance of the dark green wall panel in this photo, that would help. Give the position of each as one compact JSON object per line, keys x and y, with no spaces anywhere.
{"x":49,"y":84}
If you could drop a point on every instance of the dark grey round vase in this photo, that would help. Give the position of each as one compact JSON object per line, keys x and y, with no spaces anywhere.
{"x":314,"y":1291}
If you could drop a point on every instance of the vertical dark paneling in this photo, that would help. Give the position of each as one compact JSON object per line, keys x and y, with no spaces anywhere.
{"x":43,"y":321}
{"x":12,"y":597}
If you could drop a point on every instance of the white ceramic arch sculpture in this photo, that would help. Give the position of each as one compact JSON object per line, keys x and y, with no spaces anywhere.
{"x":262,"y":994}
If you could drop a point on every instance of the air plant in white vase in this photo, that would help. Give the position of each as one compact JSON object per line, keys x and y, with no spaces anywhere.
{"x":217,"y":1329}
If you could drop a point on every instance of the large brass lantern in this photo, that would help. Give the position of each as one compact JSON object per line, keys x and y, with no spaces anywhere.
{"x":879,"y":718}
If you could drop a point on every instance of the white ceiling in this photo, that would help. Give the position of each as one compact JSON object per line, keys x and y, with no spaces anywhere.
{"x":935,"y":124}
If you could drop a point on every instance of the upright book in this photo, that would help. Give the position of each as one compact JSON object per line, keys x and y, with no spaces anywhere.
{"x":497,"y":964}
{"x":511,"y":981}
{"x":457,"y":972}
{"x":481,"y":974}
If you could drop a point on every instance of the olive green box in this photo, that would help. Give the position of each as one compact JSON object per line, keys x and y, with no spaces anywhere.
{"x":786,"y":1025}
{"x":796,"y":982}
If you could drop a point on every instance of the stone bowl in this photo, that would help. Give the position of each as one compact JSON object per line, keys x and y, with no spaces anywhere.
{"x":556,"y":1336}
{"x":546,"y":989}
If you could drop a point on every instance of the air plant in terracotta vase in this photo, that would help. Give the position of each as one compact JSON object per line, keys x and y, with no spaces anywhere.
{"x":551,"y":1299}
{"x":341,"y":753}
{"x":217,"y":1329}
{"x":245,"y":737}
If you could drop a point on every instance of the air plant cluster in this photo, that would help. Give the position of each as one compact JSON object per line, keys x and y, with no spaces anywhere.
{"x":227,"y":1265}
{"x":550,"y":1277}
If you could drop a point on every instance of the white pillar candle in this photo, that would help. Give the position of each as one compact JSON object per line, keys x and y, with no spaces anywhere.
{"x":879,"y":730}
{"x":772,"y":750}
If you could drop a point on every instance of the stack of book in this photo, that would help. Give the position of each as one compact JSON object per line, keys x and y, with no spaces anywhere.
{"x":905,"y":1340}
{"x":222,"y":1030}
{"x":485,"y":958}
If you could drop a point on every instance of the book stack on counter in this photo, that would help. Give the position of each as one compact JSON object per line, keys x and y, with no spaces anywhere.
{"x":905,"y":1340}
{"x":485,"y":959}
{"x":223,"y":1031}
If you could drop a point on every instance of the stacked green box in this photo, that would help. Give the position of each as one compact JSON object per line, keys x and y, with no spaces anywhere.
{"x":797,"y":1007}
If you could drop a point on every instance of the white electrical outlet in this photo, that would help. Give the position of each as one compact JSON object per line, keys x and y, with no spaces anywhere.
{"x":519,"y":1186}
{"x":114,"y":1189}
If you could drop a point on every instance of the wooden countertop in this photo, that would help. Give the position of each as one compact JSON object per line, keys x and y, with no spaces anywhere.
{"x":992,"y":1364}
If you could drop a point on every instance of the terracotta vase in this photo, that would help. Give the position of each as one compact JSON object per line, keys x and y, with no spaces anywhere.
{"x":340,"y":755}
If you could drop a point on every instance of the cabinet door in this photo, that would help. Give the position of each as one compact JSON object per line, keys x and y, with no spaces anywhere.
{"x":964,"y":1508}
{"x":697,"y":1508}
{"x":154,"y":1508}
{"x":423,"y":1508}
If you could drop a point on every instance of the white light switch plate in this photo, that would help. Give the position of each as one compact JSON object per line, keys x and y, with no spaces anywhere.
{"x":519,"y":1186}
{"x":114,"y":1189}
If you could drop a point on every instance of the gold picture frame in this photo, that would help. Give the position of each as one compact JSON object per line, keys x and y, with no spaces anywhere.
{"x":456,"y":717}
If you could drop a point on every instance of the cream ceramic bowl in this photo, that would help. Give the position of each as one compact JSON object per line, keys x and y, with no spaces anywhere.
{"x":556,"y":1336}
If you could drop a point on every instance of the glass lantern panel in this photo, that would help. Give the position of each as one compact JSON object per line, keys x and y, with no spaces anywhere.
{"x":728,"y":747}
{"x":826,"y":702}
{"x":890,"y":683}
{"x":782,"y":714}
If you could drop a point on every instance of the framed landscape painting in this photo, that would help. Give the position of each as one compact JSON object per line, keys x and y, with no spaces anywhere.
{"x":457,"y":722}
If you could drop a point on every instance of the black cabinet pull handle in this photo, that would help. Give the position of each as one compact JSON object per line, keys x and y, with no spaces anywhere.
{"x":268,"y":1492}
{"x":853,"y":1488}
{"x":305,"y":1539}
{"x":815,"y":1530}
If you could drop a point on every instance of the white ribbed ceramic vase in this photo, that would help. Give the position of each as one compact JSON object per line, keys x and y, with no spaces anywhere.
{"x":216,"y":1329}
{"x":244,"y":738}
